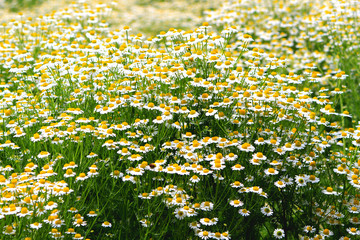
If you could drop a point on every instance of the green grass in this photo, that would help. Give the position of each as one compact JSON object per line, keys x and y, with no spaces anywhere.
{"x":20,"y":5}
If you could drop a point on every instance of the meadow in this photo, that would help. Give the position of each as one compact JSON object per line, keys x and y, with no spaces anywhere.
{"x":245,"y":126}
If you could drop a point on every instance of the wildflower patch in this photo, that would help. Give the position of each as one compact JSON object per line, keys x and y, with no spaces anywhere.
{"x":198,"y":134}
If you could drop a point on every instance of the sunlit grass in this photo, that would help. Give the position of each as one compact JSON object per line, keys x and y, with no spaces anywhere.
{"x":19,"y":5}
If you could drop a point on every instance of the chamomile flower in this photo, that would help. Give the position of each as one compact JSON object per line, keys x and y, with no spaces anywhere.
{"x":81,"y":177}
{"x":326,"y":233}
{"x":211,"y":112}
{"x":280,"y":184}
{"x":9,"y":230}
{"x":159,"y":120}
{"x":43,"y":154}
{"x":193,"y":114}
{"x":353,"y":231}
{"x":194,"y":179}
{"x":236,"y":184}
{"x":266,"y":210}
{"x":236,"y":203}
{"x":309,"y":229}
{"x":136,"y":171}
{"x":330,"y":191}
{"x":271,"y":171}
{"x":69,"y":173}
{"x":237,"y":167}
{"x":204,"y":234}
{"x":180,"y":213}
{"x":36,"y":225}
{"x":194,"y":225}
{"x":79,"y":222}
{"x":353,"y":209}
{"x":279,"y":233}
{"x":106,"y":224}
{"x":51,"y":205}
{"x":300,"y":181}
{"x":244,"y":212}
{"x":116,"y":174}
{"x":206,"y":222}
{"x":206,"y":206}
{"x":24,"y":212}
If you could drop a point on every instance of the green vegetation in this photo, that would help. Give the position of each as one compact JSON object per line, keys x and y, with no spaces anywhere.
{"x":19,"y":5}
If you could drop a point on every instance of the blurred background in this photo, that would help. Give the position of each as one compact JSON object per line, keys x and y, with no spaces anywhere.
{"x":146,"y":16}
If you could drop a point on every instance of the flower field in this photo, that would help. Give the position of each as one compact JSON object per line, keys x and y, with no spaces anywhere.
{"x":244,"y":127}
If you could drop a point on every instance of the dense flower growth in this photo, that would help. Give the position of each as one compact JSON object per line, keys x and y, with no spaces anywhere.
{"x":319,"y":38}
{"x":189,"y":134}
